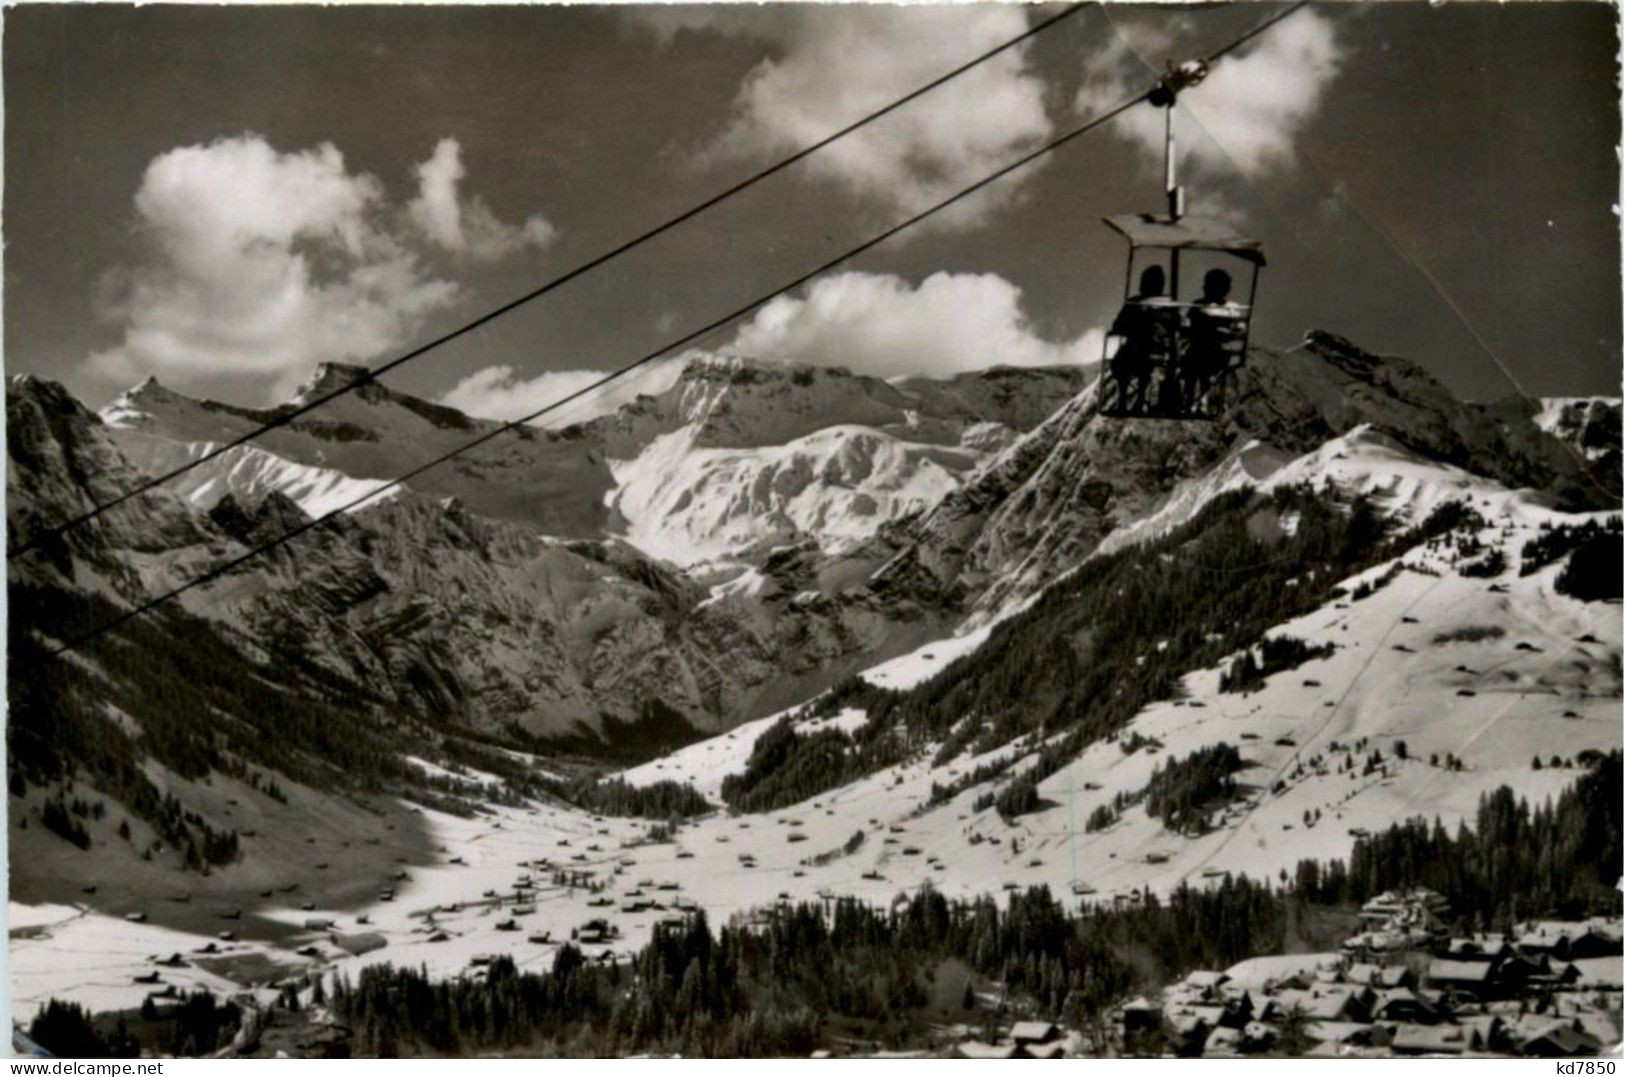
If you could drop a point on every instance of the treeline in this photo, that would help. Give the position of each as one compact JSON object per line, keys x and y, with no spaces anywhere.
{"x":1555,"y":543}
{"x":787,"y":766}
{"x":664,"y":799}
{"x":778,"y":988}
{"x":1274,"y":655}
{"x":195,"y":1024}
{"x":204,"y":708}
{"x":1094,"y":649}
{"x":201,"y":707}
{"x":1561,"y":858}
{"x":785,"y":984}
{"x":1594,"y":572}
{"x":1181,"y":791}
{"x":781,"y":987}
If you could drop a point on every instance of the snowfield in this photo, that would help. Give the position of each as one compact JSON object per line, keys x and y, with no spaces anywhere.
{"x":689,"y":504}
{"x":1490,"y":671}
{"x":1537,"y":688}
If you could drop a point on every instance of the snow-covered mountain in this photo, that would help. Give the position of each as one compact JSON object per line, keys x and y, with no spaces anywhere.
{"x":493,"y":608}
{"x":550,"y":480}
{"x":890,"y":610}
{"x":736,"y":458}
{"x":1048,"y":500}
{"x":717,"y":551}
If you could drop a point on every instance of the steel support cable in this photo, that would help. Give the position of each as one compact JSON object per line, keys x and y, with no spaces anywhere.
{"x":613,"y":375}
{"x":286,"y":417}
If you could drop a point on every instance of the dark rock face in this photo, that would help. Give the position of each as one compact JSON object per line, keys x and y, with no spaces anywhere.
{"x":1048,"y":501}
{"x":468,"y":608}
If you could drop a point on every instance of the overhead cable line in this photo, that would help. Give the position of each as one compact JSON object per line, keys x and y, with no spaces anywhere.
{"x":611,"y":376}
{"x":286,"y":417}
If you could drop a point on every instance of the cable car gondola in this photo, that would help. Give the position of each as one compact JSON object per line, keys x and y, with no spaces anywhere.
{"x":1168,"y":356}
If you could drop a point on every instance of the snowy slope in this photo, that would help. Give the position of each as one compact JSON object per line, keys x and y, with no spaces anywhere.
{"x":686,"y":503}
{"x":548,"y":479}
{"x":595,"y":620}
{"x":1549,"y":684}
{"x":245,"y":471}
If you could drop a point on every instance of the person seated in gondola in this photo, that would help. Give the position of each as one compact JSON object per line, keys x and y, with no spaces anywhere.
{"x":1213,"y":338}
{"x":1144,"y":326}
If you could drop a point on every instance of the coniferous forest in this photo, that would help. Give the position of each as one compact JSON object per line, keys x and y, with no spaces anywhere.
{"x":785,"y":982}
{"x":1097,"y":647}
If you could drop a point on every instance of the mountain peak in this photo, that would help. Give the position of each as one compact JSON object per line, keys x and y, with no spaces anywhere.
{"x":330,"y":377}
{"x":148,"y":388}
{"x":747,"y":369}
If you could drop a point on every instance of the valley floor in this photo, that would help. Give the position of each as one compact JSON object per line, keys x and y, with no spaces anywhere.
{"x":1420,"y":709}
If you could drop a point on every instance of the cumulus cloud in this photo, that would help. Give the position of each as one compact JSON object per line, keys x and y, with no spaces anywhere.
{"x":880,"y":324}
{"x":466,"y":226}
{"x":261,"y":264}
{"x":500,"y":392}
{"x":830,"y":65}
{"x":1249,"y":111}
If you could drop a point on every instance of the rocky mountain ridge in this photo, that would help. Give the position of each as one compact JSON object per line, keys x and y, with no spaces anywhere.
{"x":744,"y":556}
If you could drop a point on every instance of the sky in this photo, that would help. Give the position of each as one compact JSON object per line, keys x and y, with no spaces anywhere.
{"x":225,"y":197}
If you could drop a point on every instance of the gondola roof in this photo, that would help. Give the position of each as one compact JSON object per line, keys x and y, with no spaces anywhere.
{"x":1187,"y":233}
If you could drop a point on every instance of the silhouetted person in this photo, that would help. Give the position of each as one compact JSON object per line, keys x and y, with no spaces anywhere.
{"x":1211,"y":340}
{"x":1143,"y":330}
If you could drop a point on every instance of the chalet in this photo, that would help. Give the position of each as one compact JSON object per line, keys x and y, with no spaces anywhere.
{"x":1554,"y":974}
{"x":1472,"y":979}
{"x":1030,"y":1032}
{"x":978,"y":1049}
{"x":1560,"y":1040}
{"x":1430,"y":1040}
{"x":358,"y":943}
{"x":1141,"y":1014}
{"x":1402,"y":1005}
{"x":1378,"y":977}
{"x":1485,"y":1031}
{"x":1395,"y":903}
{"x":1347,"y":1033}
{"x":1480,"y":947}
{"x":1342,"y":1002}
{"x":1569,"y":940}
{"x":1593,"y":942}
